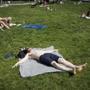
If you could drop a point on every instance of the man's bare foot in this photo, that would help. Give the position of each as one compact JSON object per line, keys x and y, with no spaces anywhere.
{"x":80,"y":68}
{"x":72,"y":72}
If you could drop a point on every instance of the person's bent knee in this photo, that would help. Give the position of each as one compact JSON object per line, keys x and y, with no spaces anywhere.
{"x":61,"y":60}
{"x":53,"y":63}
{"x":1,"y":22}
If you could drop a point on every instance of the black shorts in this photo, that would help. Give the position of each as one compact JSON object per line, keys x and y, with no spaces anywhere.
{"x":47,"y":58}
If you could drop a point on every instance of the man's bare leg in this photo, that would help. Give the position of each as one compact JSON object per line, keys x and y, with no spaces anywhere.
{"x":63,"y":67}
{"x":69,"y":64}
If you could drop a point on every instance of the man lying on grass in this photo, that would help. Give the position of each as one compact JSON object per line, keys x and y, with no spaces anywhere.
{"x":47,"y":58}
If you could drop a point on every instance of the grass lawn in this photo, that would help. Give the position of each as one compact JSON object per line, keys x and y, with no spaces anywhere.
{"x":66,"y":31}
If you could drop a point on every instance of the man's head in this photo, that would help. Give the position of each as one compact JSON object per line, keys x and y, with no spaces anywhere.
{"x":22,"y":53}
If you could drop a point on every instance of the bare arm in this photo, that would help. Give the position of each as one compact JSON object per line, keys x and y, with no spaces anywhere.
{"x":4,"y":24}
{"x":50,"y":51}
{"x":21,"y":61}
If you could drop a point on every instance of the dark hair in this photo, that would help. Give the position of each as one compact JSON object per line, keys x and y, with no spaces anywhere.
{"x":88,"y":13}
{"x":22,"y":53}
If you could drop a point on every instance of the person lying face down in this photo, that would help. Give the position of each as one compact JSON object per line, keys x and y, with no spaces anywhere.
{"x":47,"y":58}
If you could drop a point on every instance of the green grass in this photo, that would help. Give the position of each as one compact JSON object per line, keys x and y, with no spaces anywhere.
{"x":66,"y":31}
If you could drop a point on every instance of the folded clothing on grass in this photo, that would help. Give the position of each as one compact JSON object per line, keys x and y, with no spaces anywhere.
{"x":9,"y":56}
{"x":34,"y":26}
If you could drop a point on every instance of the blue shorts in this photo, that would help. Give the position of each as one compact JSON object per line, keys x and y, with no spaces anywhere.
{"x":47,"y":58}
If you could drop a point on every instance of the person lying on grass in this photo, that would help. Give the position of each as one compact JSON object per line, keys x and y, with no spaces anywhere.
{"x":45,"y":4}
{"x":49,"y":59}
{"x":6,"y":22}
{"x":86,"y":15}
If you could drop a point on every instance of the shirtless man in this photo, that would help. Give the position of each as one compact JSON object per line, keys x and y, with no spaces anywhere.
{"x":47,"y":58}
